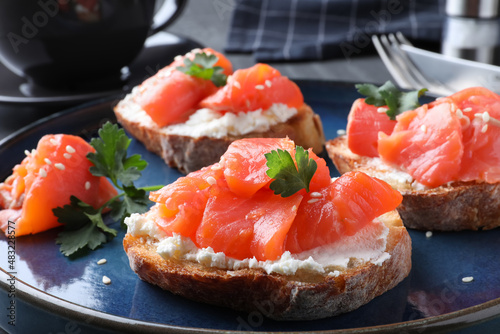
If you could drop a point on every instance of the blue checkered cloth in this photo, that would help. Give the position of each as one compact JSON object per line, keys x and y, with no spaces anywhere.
{"x":290,"y":30}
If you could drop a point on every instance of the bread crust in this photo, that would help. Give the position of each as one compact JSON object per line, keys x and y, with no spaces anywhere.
{"x":191,"y":153}
{"x":304,"y":296}
{"x":455,"y":206}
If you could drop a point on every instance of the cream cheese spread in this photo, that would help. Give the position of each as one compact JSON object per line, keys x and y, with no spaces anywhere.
{"x":392,"y":175}
{"x":368,"y":244}
{"x":210,"y":123}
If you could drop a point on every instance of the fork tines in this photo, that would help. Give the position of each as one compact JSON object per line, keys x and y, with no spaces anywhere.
{"x":400,"y":66}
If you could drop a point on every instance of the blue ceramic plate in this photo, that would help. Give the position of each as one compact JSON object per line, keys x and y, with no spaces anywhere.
{"x":43,"y":290}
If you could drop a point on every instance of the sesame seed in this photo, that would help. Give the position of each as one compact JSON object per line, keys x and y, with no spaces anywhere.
{"x":467,"y":109}
{"x":382,"y":110}
{"x":87,"y":185}
{"x":59,"y":166}
{"x":53,"y":141}
{"x":27,"y":152}
{"x":47,"y":161}
{"x":269,"y":83}
{"x":106,"y":280}
{"x":42,"y":172}
{"x":294,"y":208}
{"x":341,"y":132}
{"x":423,"y":128}
{"x":467,"y":279}
{"x":428,"y":234}
{"x":237,"y":84}
{"x":486,"y":117}
{"x":316,"y":194}
{"x":216,"y":166}
{"x":33,"y":151}
{"x":101,"y":261}
{"x":211,"y":180}
{"x":67,"y":155}
{"x":459,"y":113}
{"x":312,"y":200}
{"x":484,"y":128}
{"x":259,"y":87}
{"x":178,"y":58}
{"x":70,"y":149}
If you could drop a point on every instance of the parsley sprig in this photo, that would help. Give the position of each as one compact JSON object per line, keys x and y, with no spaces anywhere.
{"x":202,"y":66}
{"x":288,"y":178}
{"x":84,"y":226}
{"x":396,"y":101}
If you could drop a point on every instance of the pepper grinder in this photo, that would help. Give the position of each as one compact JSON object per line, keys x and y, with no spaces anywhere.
{"x":472,"y":30}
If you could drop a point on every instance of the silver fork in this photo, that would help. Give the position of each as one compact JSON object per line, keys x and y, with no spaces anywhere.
{"x":402,"y":69}
{"x":433,"y":85}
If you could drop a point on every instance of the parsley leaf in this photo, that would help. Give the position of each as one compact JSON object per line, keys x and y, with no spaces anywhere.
{"x":202,"y":66}
{"x":110,"y":159}
{"x":388,"y":95}
{"x":84,"y":225}
{"x":288,"y":178}
{"x":135,"y":200}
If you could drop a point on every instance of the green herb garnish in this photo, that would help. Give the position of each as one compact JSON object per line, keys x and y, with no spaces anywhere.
{"x":288,"y":178}
{"x":83,"y":225}
{"x":202,"y":66}
{"x":396,"y":101}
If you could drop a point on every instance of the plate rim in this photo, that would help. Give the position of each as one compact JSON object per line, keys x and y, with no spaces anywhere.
{"x":64,"y":308}
{"x":460,"y":319}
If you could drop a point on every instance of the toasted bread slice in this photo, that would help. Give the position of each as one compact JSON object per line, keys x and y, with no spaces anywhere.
{"x":191,"y":153}
{"x":454,"y":206}
{"x":303,"y":296}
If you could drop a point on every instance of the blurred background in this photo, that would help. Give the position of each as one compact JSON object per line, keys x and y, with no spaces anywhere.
{"x":209,"y":22}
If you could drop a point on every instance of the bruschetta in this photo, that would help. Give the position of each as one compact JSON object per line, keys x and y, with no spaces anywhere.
{"x":189,"y":121}
{"x":226,"y":235}
{"x":442,"y":157}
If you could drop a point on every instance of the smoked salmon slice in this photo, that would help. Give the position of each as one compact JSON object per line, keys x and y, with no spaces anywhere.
{"x":46,"y":179}
{"x":245,"y":163}
{"x":170,"y":96}
{"x":247,"y":227}
{"x":481,"y":134}
{"x":254,"y":88}
{"x":180,"y":206}
{"x":455,"y":138}
{"x":317,"y":223}
{"x":360,"y":198}
{"x":426,"y":142}
{"x":340,"y":209}
{"x":364,"y":123}
{"x":243,"y":218}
